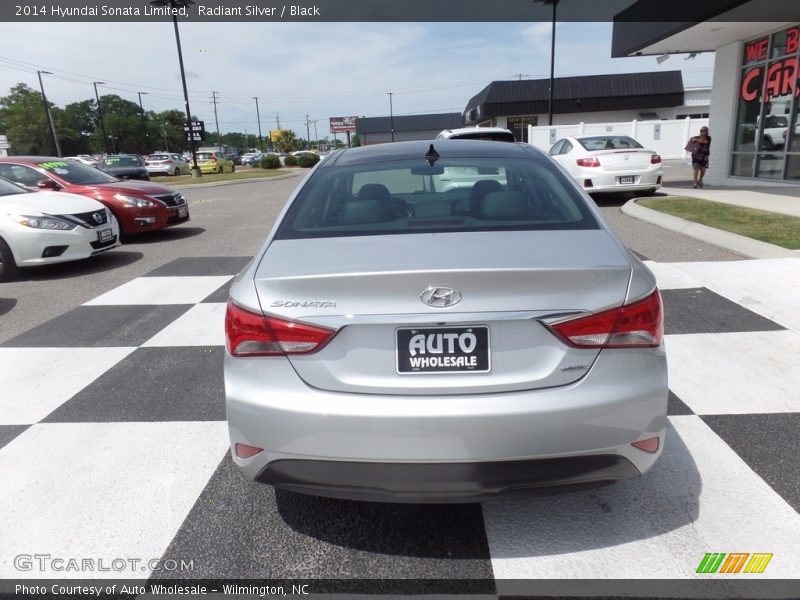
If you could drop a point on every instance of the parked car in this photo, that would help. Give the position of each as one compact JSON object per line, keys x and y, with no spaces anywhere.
{"x":214,"y":161}
{"x":125,"y":166}
{"x":87,"y":160}
{"x":138,"y":206}
{"x":392,"y":341}
{"x":40,"y":228}
{"x":251,"y":158}
{"x":494,"y":134}
{"x":167,"y":163}
{"x":609,"y":163}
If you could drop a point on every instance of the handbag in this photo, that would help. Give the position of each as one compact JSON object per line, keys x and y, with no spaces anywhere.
{"x":692,"y":147}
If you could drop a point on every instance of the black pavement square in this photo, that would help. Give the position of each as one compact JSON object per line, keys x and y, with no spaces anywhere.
{"x":220,"y":294}
{"x":768,"y":444}
{"x":202,"y":266}
{"x":97,"y":326}
{"x":9,"y":432}
{"x":698,"y":310}
{"x":152,"y":384}
{"x":242,"y":529}
{"x":676,"y":406}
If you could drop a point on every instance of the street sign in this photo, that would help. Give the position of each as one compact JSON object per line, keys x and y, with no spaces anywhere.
{"x":195,"y":131}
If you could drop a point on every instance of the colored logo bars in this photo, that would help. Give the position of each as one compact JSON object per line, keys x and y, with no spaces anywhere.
{"x":736,"y":562}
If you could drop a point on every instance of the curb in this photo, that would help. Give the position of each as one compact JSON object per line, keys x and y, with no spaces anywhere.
{"x":193,"y":186}
{"x":724,"y":239}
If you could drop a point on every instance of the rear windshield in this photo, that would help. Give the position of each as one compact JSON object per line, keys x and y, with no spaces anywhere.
{"x":609,"y":142}
{"x":77,"y":173}
{"x":158,"y":157}
{"x":493,"y":136}
{"x":123,"y":161}
{"x":454,"y":195}
{"x":205,"y":155}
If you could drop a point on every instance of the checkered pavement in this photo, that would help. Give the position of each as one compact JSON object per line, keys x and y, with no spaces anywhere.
{"x":113,"y":444}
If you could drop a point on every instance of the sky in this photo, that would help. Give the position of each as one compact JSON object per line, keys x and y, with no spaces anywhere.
{"x":317,"y":69}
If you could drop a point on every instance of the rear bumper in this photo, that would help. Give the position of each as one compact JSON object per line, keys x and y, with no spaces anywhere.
{"x":447,"y":448}
{"x":608,"y":181}
{"x":446,"y":482}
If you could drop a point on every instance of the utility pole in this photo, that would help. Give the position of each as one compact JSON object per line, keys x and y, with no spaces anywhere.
{"x":278,"y":121}
{"x":316,"y":135}
{"x":100,"y":113}
{"x":144,"y":120}
{"x":47,"y":113}
{"x":391,"y":115}
{"x":552,"y":59}
{"x":216,"y":120}
{"x":308,"y":133}
{"x":258,"y":116}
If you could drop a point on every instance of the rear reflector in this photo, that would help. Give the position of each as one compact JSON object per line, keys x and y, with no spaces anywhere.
{"x":649,"y":445}
{"x":587,"y":183}
{"x":245,"y":451}
{"x":588,"y":162}
{"x":636,"y":325}
{"x":658,"y":181}
{"x":251,"y":334}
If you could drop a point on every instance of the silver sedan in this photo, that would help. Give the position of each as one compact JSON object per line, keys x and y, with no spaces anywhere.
{"x":398,"y":338}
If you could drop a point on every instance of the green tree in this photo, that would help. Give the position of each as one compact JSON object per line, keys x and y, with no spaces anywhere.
{"x":23,"y":118}
{"x":355,"y":141}
{"x":286,"y":142}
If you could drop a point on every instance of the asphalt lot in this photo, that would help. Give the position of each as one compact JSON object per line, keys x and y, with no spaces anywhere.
{"x":113,"y":441}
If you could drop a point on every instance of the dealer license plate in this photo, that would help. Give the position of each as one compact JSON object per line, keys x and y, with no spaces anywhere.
{"x":105,"y":235}
{"x":443,"y":350}
{"x":628,"y":179}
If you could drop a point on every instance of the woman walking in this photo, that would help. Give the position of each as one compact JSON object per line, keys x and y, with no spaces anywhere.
{"x":700,"y":147}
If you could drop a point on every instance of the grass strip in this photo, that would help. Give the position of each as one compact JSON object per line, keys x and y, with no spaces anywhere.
{"x":773,"y":228}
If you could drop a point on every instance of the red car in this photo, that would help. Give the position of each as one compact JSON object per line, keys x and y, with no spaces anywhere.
{"x":137,"y":206}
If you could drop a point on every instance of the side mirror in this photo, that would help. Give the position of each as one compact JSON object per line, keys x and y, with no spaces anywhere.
{"x":47,"y":184}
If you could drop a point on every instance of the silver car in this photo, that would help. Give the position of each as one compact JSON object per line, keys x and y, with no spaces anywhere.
{"x":167,"y":163}
{"x":392,"y":341}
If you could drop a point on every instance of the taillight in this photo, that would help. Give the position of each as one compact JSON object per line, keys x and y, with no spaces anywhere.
{"x":588,"y":162}
{"x":637,"y":325}
{"x":251,"y":334}
{"x":655,"y":159}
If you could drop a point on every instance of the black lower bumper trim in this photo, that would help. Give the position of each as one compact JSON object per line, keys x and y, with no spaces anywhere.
{"x":446,"y":482}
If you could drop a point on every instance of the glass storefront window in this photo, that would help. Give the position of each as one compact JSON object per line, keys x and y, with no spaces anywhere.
{"x":755,"y":51}
{"x":793,"y":166}
{"x":770,"y":166}
{"x":766,"y":118}
{"x":749,"y":109}
{"x":744,"y":165}
{"x":785,"y":42}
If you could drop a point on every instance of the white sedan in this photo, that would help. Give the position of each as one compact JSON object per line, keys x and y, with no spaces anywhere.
{"x":609,"y":163}
{"x":38,"y":228}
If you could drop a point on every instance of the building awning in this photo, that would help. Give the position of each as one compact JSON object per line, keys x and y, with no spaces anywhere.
{"x":705,"y":26}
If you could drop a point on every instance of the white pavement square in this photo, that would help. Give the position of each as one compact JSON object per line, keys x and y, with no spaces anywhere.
{"x":162,"y":290}
{"x":736,"y":373}
{"x":670,"y":279}
{"x":36,"y":381}
{"x":770,"y":287}
{"x":201,"y":325}
{"x":658,"y":526}
{"x":102,"y":490}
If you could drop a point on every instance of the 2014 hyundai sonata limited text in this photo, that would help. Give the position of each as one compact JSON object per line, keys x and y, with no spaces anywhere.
{"x":392,"y":341}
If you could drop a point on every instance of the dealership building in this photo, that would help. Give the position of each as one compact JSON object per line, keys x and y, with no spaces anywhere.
{"x":754,"y":97}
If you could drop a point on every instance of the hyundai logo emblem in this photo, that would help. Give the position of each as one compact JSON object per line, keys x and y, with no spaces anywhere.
{"x":98,"y":218}
{"x":440,"y":296}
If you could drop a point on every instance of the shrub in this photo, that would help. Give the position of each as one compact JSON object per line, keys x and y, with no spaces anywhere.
{"x":270,"y":161}
{"x":290,"y":161}
{"x":307,"y":160}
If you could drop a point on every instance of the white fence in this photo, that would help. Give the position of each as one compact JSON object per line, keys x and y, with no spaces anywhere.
{"x":667,"y":138}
